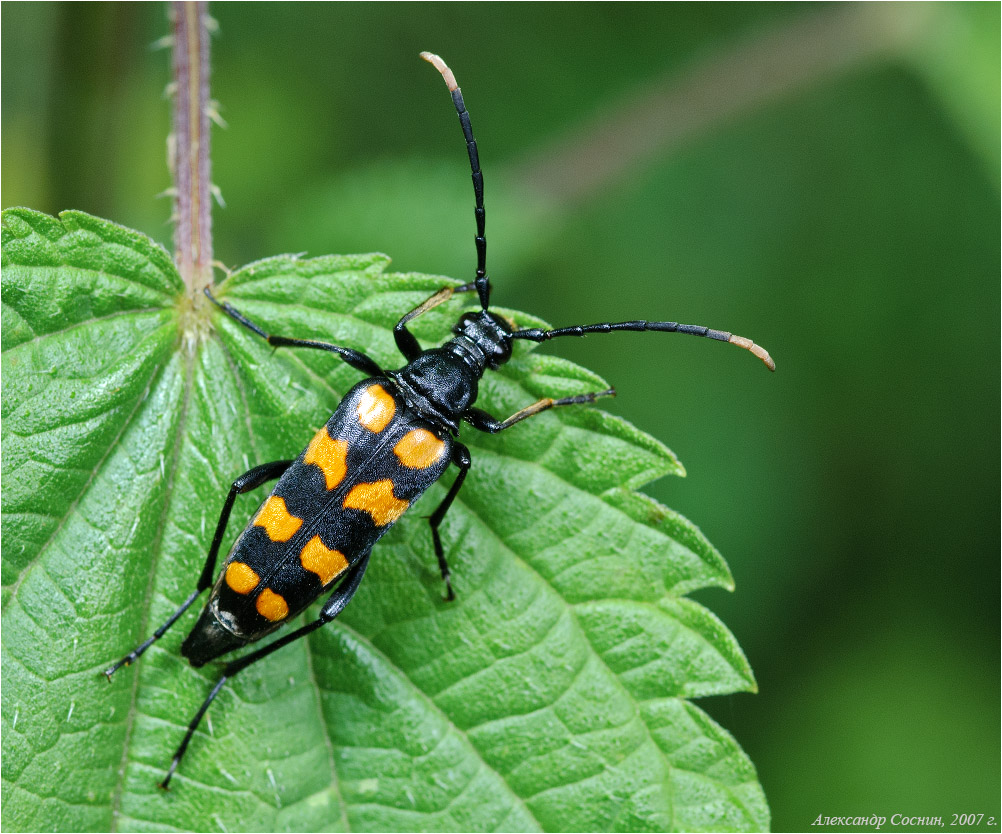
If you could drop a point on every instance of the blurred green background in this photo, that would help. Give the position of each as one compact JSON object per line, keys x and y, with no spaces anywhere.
{"x":824,"y":179}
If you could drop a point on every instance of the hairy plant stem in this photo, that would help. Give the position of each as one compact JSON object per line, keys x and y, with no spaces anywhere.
{"x":189,"y":152}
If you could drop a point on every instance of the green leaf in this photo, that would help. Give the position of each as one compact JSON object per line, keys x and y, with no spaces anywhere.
{"x":550,"y":695}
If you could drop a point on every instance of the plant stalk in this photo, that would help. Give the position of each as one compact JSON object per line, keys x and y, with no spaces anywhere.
{"x":189,"y":153}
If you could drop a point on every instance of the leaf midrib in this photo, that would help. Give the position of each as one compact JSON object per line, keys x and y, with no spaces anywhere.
{"x":328,"y":743}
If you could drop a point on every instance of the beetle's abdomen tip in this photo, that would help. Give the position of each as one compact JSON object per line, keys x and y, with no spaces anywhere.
{"x":208,"y":640}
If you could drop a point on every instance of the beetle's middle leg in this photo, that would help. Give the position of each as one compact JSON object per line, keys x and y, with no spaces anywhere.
{"x":249,"y":480}
{"x":482,"y":421}
{"x":460,"y":457}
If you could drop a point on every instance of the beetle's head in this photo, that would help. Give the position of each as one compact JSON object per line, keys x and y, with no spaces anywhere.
{"x":490,"y":333}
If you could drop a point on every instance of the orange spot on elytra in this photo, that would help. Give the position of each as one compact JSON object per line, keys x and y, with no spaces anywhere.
{"x":419,"y":449}
{"x":329,"y":455}
{"x":276,"y":520}
{"x":272,"y":606}
{"x":322,"y":561}
{"x":375,"y":408}
{"x":378,"y":500}
{"x":241,"y":578}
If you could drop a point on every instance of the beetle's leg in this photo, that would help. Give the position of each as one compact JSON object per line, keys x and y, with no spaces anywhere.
{"x":406,"y":343}
{"x":482,"y":421}
{"x":460,"y":457}
{"x":355,"y":358}
{"x":335,"y":604}
{"x":192,"y":726}
{"x":246,"y":482}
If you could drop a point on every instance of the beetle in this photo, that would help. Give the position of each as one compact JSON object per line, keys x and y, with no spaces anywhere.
{"x":392,"y":436}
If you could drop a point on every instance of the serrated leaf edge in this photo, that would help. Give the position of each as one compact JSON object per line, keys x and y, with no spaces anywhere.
{"x":71,"y":220}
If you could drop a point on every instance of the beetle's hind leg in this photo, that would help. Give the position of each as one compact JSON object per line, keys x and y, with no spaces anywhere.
{"x":246,"y":482}
{"x":335,"y":605}
{"x":354,"y":358}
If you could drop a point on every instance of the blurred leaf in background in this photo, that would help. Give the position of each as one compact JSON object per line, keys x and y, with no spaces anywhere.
{"x":847,"y":218}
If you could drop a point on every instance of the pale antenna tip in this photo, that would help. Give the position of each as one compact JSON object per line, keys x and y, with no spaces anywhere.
{"x":443,"y":68}
{"x":756,"y":350}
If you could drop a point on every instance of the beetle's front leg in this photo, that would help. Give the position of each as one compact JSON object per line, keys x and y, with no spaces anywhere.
{"x":406,"y":343}
{"x":354,"y":358}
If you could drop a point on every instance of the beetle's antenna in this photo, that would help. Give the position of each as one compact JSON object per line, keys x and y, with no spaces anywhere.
{"x":482,"y":281}
{"x":534,"y":334}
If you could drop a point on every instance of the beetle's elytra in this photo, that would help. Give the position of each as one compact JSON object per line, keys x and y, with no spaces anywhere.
{"x":356,"y":477}
{"x":392,"y":436}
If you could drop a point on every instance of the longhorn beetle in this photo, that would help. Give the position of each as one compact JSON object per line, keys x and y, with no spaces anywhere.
{"x":392,"y":436}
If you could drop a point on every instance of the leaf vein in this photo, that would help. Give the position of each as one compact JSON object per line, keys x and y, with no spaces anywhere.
{"x":81,"y":324}
{"x":157,"y":550}
{"x":446,"y":718}
{"x":83,"y":491}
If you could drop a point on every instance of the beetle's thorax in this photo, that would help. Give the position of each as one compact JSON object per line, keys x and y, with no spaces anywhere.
{"x":443,"y":382}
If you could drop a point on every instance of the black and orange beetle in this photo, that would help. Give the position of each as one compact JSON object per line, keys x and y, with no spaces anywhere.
{"x":392,"y":436}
